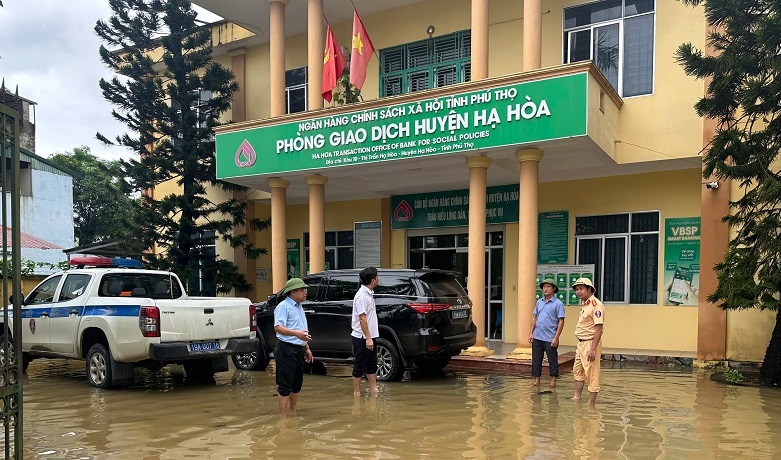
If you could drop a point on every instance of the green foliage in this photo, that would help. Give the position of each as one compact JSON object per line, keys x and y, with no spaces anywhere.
{"x":170,"y":105}
{"x":345,"y":92}
{"x":101,"y":210}
{"x":733,"y":376}
{"x":28,"y":267}
{"x":744,"y":97}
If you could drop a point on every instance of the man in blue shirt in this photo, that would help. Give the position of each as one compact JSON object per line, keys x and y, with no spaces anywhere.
{"x":547,"y":324}
{"x":292,"y":344}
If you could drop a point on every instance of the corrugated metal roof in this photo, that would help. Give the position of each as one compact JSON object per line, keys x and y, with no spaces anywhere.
{"x":29,"y":241}
{"x":42,"y":164}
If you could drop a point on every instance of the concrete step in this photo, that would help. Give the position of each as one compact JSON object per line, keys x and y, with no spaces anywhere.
{"x":507,"y":366}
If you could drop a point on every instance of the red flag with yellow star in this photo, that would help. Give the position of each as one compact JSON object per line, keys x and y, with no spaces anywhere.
{"x":333,"y":64}
{"x":361,"y":53}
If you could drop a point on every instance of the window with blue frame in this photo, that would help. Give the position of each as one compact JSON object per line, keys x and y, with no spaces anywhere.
{"x":426,"y":64}
{"x":618,"y":35}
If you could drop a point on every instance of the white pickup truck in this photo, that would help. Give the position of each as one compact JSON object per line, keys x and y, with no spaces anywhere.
{"x":117,"y":318}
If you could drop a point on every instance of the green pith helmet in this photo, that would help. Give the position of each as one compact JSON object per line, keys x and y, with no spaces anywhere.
{"x":584,"y":282}
{"x":552,"y":282}
{"x":293,"y":284}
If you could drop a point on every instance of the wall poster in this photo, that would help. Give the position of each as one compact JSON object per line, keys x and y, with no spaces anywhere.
{"x":681,"y":261}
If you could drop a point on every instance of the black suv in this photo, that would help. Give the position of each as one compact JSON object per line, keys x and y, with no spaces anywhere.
{"x":424,"y":317}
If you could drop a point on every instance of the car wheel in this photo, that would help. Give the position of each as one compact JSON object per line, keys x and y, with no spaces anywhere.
{"x":11,"y":361}
{"x":99,"y":366}
{"x":389,"y":366}
{"x":432,"y":365}
{"x":255,"y":361}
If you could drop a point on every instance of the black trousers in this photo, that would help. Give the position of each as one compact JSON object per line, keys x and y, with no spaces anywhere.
{"x":538,"y":347}
{"x":290,"y":367}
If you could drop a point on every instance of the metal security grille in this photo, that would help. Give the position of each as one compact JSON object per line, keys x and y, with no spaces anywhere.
{"x":11,"y":341}
{"x":425,"y":64}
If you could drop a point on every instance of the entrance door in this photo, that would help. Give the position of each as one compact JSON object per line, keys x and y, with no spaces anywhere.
{"x":450,"y":252}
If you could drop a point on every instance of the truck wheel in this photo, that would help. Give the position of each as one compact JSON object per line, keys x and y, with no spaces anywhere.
{"x":11,"y":361}
{"x":199,"y":369}
{"x":389,"y":365}
{"x":99,"y":366}
{"x":255,"y":361}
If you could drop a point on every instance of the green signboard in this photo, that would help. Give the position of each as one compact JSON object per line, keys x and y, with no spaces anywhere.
{"x":293,"y":258}
{"x":553,"y":246}
{"x":507,"y":115}
{"x":681,"y":261}
{"x":565,"y":276}
{"x":451,"y":208}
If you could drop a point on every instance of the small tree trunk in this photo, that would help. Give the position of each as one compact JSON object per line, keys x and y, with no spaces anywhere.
{"x":770,"y":374}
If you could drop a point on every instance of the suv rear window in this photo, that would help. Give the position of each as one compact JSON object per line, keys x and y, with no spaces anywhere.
{"x":441,"y":286}
{"x":394,"y":285}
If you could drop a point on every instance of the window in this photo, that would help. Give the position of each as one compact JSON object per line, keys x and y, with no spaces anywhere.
{"x":314,"y":283}
{"x":202,"y":283}
{"x":618,"y":35}
{"x":624,"y":249}
{"x":295,"y":90}
{"x":200,"y":110}
{"x":339,"y":252}
{"x":425,"y":64}
{"x":45,"y":292}
{"x":395,"y":285}
{"x":152,"y":285}
{"x":342,"y":288}
{"x":74,"y":286}
{"x":25,"y":178}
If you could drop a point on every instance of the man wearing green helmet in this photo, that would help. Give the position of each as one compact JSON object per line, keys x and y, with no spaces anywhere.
{"x":292,"y":348}
{"x":547,"y":324}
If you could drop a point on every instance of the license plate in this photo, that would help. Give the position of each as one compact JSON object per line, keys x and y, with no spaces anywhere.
{"x":460,"y":314}
{"x":204,"y":346}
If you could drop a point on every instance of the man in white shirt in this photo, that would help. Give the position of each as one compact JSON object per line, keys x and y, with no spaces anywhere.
{"x":365,"y":330}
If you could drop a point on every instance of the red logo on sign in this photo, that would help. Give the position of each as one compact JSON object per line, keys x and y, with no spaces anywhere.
{"x":245,"y":155}
{"x":403,"y":212}
{"x":32,"y":325}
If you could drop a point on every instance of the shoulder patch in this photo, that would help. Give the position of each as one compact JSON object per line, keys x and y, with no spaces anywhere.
{"x":598,"y":314}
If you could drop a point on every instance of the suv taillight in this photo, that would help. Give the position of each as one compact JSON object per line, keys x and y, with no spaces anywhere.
{"x":428,"y":307}
{"x":253,"y":319}
{"x":149,"y":321}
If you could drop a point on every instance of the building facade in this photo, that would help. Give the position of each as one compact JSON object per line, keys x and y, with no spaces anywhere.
{"x":505,"y":140}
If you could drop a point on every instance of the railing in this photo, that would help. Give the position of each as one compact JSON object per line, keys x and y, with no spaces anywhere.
{"x":11,"y":361}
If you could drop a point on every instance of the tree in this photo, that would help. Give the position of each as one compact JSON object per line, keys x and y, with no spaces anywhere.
{"x":744,"y":97}
{"x":171,"y":96}
{"x":101,"y":211}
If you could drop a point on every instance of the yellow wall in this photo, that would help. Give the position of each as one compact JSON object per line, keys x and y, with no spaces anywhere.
{"x":637,"y":327}
{"x":748,"y":334}
{"x":659,"y":126}
{"x":674,"y":194}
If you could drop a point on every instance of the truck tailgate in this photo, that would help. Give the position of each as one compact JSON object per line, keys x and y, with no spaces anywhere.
{"x":203,"y":319}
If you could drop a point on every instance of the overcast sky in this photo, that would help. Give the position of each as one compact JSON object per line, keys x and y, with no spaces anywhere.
{"x":50,"y":50}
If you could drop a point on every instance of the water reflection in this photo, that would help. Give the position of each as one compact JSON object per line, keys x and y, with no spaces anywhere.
{"x":641,"y":413}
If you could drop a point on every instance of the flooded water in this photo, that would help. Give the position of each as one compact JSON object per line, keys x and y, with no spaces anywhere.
{"x":641,"y":413}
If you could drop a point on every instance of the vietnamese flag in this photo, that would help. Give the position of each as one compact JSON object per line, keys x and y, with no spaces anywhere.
{"x":361,"y":53}
{"x":333,"y":64}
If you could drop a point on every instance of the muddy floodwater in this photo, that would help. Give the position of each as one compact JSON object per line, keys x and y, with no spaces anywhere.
{"x":675,"y":413}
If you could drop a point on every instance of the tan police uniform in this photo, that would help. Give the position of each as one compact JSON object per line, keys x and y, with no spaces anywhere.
{"x":591,"y":314}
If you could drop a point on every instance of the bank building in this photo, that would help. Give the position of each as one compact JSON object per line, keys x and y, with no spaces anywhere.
{"x":509,"y":141}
